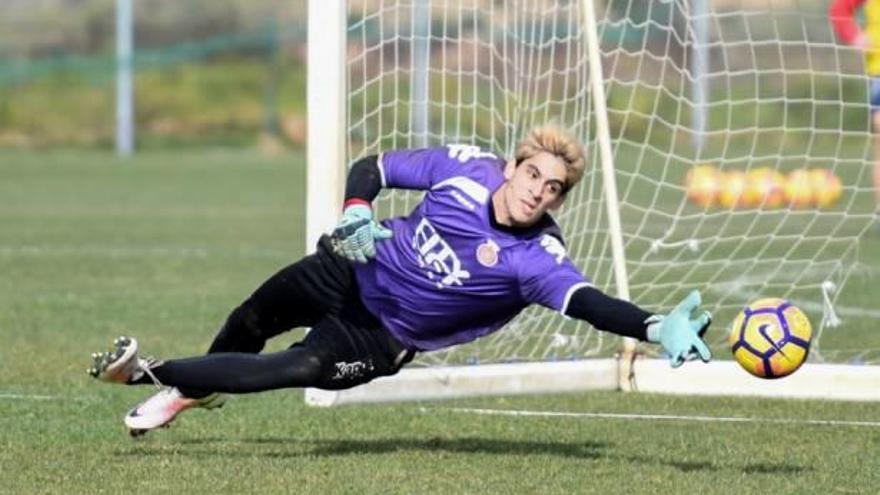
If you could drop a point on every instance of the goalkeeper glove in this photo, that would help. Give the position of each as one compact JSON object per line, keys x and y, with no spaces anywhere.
{"x":355,"y":236}
{"x":680,"y":335}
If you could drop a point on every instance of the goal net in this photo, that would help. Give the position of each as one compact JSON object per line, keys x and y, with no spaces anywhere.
{"x":735,"y":85}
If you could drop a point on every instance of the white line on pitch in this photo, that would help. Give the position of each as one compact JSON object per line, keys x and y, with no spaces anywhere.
{"x":864,"y":269}
{"x":28,"y":397}
{"x":133,"y":251}
{"x":661,"y":417}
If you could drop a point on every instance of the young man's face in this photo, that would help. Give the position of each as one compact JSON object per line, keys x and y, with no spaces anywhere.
{"x":533,"y":187}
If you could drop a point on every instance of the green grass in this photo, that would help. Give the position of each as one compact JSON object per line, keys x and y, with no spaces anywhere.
{"x":272,"y":443}
{"x":176,"y":106}
{"x":163,"y":245}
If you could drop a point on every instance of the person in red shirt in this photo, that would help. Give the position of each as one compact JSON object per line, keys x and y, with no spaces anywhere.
{"x":866,"y":38}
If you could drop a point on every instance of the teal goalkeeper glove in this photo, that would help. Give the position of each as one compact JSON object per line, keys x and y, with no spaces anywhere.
{"x":679,"y":335}
{"x":356,"y":234}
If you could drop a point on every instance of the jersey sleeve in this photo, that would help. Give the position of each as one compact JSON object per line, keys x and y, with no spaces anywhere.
{"x":547,"y":276}
{"x":423,"y":168}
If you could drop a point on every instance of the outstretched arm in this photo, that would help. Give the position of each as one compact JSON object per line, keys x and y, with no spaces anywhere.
{"x":608,"y":313}
{"x":680,"y":334}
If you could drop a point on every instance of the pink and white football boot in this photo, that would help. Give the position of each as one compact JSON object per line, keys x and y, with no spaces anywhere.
{"x":161,"y":408}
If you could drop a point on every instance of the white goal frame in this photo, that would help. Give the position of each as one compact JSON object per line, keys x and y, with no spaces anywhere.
{"x":326,"y":177}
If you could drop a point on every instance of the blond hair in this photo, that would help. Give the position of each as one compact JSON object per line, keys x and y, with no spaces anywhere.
{"x":558,"y":142}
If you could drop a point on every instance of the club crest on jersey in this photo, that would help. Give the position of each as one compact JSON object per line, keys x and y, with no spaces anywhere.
{"x":487,"y":253}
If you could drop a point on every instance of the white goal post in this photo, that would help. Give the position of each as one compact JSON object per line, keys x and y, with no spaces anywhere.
{"x":653,"y":89}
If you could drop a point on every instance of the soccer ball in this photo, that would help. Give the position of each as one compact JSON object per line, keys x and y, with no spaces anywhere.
{"x":770,"y":338}
{"x":702,"y":184}
{"x":826,"y":187}
{"x":733,"y":188}
{"x":764,"y":187}
{"x":799,"y":189}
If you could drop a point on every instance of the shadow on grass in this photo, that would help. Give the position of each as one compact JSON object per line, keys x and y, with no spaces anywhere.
{"x":773,"y":468}
{"x":285,"y":447}
{"x":587,"y":450}
{"x":281,"y":448}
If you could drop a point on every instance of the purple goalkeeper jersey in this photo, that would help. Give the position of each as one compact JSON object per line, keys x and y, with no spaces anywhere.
{"x":450,"y":275}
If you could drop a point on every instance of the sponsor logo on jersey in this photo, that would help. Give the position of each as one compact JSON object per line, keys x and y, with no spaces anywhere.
{"x":440,"y":262}
{"x":487,"y":253}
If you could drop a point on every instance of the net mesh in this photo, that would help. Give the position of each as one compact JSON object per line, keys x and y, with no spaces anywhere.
{"x":737,"y":85}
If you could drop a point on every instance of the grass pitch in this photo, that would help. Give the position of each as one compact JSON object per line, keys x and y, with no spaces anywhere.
{"x":163,"y":245}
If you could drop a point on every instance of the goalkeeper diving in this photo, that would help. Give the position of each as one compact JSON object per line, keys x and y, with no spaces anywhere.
{"x":479,"y":248}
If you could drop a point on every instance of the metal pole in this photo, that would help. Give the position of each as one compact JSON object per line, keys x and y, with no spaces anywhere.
{"x":124,"y":86}
{"x":419,"y":79}
{"x":699,"y":68}
{"x":612,"y":202}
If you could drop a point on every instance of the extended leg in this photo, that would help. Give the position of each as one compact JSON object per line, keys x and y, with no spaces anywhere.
{"x":339,"y":352}
{"x":238,"y":373}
